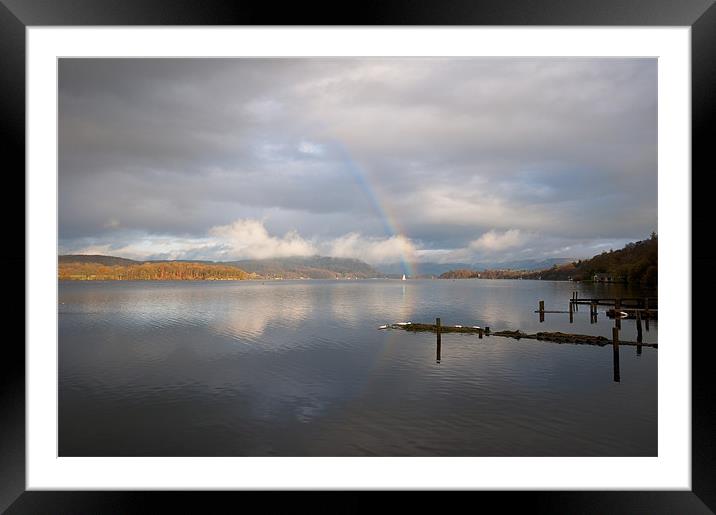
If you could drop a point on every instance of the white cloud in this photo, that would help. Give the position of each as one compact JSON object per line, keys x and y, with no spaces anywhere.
{"x":372,"y":250}
{"x":493,"y":241}
{"x":248,"y":238}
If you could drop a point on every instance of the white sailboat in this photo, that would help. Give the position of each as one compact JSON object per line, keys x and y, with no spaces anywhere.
{"x":403,"y":277}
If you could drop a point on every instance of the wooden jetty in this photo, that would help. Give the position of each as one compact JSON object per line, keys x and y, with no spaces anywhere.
{"x":625,"y":302}
{"x":644,"y":308}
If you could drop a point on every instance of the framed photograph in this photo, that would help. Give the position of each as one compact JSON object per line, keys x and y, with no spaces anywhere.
{"x":416,"y":250}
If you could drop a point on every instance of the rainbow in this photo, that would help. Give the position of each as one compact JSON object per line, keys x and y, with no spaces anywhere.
{"x":389,"y":220}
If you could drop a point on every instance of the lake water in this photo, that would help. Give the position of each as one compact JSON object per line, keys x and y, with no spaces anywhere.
{"x":299,"y":368}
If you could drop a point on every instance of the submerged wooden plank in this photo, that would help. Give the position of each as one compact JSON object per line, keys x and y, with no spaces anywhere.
{"x":555,"y":337}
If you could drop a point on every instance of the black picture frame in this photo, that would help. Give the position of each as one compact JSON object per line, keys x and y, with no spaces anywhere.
{"x":16,"y":15}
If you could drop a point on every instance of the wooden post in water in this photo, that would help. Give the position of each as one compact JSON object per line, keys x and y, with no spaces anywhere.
{"x":479,"y":333}
{"x":615,"y":343}
{"x":571,"y":312}
{"x":593,"y":311}
{"x":437,"y":331}
{"x":618,"y":313}
{"x":638,"y":326}
{"x":541,"y":311}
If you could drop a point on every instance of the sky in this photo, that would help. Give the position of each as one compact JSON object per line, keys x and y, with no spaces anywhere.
{"x":382,"y":159}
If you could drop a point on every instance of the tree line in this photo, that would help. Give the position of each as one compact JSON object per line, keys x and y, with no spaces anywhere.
{"x":165,"y":271}
{"x":636,"y":263}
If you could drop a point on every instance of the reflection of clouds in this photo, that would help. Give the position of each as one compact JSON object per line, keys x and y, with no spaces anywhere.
{"x":343,"y":305}
{"x":241,"y":310}
{"x":140,"y":304}
{"x":246,"y":310}
{"x":241,"y":325}
{"x":384,"y":302}
{"x":354,"y":302}
{"x":248,"y":313}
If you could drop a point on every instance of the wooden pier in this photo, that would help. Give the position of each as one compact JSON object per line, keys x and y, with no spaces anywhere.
{"x":644,"y":308}
{"x":624,"y":302}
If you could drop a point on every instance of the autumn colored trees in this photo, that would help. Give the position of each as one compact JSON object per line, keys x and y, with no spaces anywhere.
{"x":164,"y":271}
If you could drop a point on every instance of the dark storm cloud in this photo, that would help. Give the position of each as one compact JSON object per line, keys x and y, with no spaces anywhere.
{"x":469,"y":156}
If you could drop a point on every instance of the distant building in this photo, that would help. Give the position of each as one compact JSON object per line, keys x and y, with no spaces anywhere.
{"x":606,"y":278}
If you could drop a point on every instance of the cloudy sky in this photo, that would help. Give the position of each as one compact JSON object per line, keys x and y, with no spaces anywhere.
{"x":441,"y":159}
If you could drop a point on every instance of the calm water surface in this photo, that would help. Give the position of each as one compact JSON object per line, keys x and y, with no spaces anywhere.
{"x":298,"y":368}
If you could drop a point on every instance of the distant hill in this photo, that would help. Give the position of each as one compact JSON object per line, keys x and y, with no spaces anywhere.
{"x":636,"y":263}
{"x":422,"y":269}
{"x":314,"y":267}
{"x":525,"y":264}
{"x":97,"y":267}
{"x":95,"y":258}
{"x":435,"y":269}
{"x":483,"y":274}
